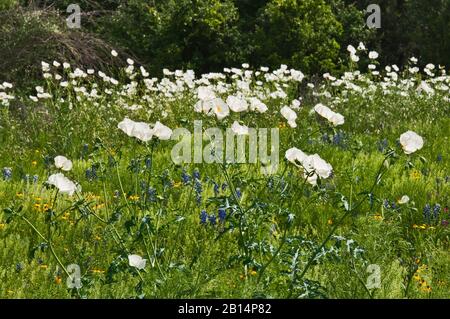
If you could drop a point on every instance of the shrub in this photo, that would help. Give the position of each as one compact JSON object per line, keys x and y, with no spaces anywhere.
{"x":302,"y":34}
{"x":28,"y":37}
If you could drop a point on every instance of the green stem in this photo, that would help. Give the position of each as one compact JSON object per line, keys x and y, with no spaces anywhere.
{"x":233,"y":192}
{"x":338,"y":223}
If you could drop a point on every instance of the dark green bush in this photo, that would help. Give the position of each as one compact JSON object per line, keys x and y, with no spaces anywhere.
{"x":197,"y":34}
{"x":303,"y":34}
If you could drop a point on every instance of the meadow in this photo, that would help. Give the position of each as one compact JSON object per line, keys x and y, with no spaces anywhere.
{"x":92,"y":205}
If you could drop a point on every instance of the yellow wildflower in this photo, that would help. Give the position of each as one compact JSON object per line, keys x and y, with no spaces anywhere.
{"x":415,"y":174}
{"x":97,"y":271}
{"x":378,"y":217}
{"x":58,"y":280}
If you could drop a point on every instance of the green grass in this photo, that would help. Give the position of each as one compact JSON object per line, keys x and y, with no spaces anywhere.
{"x":268,"y":245}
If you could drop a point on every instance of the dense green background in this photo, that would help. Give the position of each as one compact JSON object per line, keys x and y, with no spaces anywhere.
{"x":207,"y":35}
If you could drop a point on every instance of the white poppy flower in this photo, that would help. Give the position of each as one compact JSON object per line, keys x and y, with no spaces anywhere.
{"x":140,"y":130}
{"x":198,"y":107}
{"x":425,"y":87}
{"x":373,"y":55}
{"x":45,"y":66}
{"x":411,"y":142}
{"x":126,"y":126}
{"x":324,"y":111}
{"x":361,"y":46}
{"x":64,"y":185}
{"x":318,"y":165}
{"x":337,"y":119}
{"x":313,"y":165}
{"x":237,"y":104}
{"x":404,"y":199}
{"x":354,"y":57}
{"x":161,"y":131}
{"x":63,"y":163}
{"x":220,"y":108}
{"x":351,"y":49}
{"x":257,"y":105}
{"x":205,"y":93}
{"x":289,"y":115}
{"x":137,"y":261}
{"x":294,"y":155}
{"x":114,"y":53}
{"x":239,"y":129}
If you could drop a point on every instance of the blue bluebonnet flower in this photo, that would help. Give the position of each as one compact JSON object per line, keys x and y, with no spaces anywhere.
{"x":338,"y":138}
{"x":134,"y":166}
{"x":382,"y":145}
{"x":282,"y":183}
{"x":166,"y":180}
{"x":222,"y":214}
{"x":436,"y":211}
{"x":386,"y":204}
{"x":7,"y":173}
{"x":216,"y":188}
{"x":198,"y":191}
{"x":91,"y":173}
{"x":19,"y":267}
{"x":325,"y":138}
{"x":238,"y":193}
{"x":48,"y":161}
{"x":439,"y":158}
{"x":143,"y":185}
{"x":203,"y":217}
{"x":26,"y":178}
{"x":116,"y":194}
{"x":212,"y":219}
{"x":84,"y":150}
{"x":35,"y":179}
{"x":427,"y":213}
{"x":151,"y":193}
{"x":196,"y":174}
{"x":224,"y":187}
{"x":111,"y":161}
{"x":148,"y":162}
{"x":185,"y":177}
